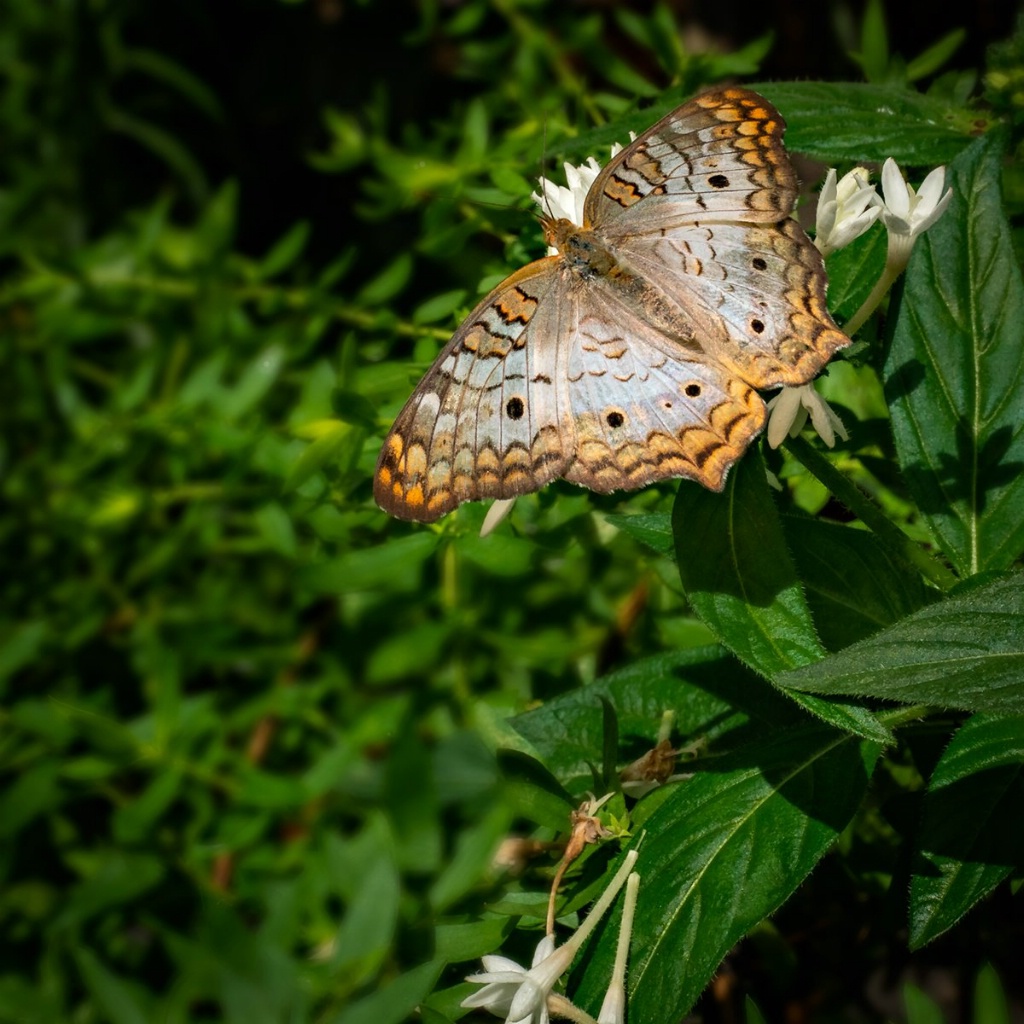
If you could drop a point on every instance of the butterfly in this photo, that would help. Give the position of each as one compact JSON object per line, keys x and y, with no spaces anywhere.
{"x":636,"y":353}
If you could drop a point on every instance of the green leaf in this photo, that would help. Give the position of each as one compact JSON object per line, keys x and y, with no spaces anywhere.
{"x":921,"y":1009}
{"x":931,"y":59}
{"x":740,"y":580}
{"x":851,"y":122}
{"x":34,"y":792}
{"x":471,"y":860}
{"x":954,"y":378}
{"x":724,"y":850}
{"x":396,"y":1001}
{"x":368,"y":927}
{"x":737,"y":572}
{"x":853,"y":271}
{"x":854,"y":584}
{"x":966,"y":651}
{"x":19,"y":645}
{"x":118,"y":878}
{"x":389,"y":566}
{"x":710,"y":693}
{"x":651,"y":528}
{"x":457,"y":943}
{"x":118,"y":998}
{"x":991,"y":1005}
{"x":255,"y":380}
{"x":438,"y":307}
{"x":874,"y":56}
{"x":285,"y":251}
{"x":972,"y":832}
{"x":323,"y":450}
{"x":389,"y":282}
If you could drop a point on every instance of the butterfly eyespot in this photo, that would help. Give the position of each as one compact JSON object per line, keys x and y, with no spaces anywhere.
{"x":615,"y":418}
{"x":718,"y":181}
{"x":515,"y":408}
{"x":759,"y":264}
{"x":692,"y":390}
{"x":757,"y":326}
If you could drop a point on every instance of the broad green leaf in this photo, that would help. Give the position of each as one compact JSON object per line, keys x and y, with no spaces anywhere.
{"x":36,"y":791}
{"x":954,"y":376}
{"x":740,"y":580}
{"x":709,"y":693}
{"x":411,"y":799}
{"x":389,"y":282}
{"x":966,"y":651}
{"x":854,"y":584}
{"x":852,"y":122}
{"x":724,"y":850}
{"x":972,"y":831}
{"x":737,"y":573}
{"x":253,"y":382}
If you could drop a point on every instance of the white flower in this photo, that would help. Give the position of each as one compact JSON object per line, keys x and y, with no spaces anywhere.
{"x":906,"y":213}
{"x":613,"y":1009}
{"x":788,"y":412}
{"x":507,"y":984}
{"x":520,"y":995}
{"x":559,"y":201}
{"x":846,"y":209}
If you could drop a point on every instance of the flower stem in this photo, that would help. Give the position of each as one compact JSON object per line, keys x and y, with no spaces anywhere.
{"x":869,"y":513}
{"x":870,"y":304}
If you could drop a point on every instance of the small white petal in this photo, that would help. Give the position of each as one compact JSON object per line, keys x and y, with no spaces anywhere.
{"x":495,"y":514}
{"x":929,"y":218}
{"x":895,"y":189}
{"x":931,"y":188}
{"x":783,"y":410}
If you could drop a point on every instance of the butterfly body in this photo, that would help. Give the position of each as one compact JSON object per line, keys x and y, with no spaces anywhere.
{"x":635,"y":353}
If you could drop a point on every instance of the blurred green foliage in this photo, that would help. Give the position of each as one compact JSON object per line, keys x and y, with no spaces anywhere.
{"x":258,"y":744}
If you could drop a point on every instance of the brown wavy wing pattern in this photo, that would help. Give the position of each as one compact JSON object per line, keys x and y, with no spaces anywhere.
{"x":646,"y":408}
{"x":484,"y":421}
{"x":755,"y":295}
{"x":718,"y":157}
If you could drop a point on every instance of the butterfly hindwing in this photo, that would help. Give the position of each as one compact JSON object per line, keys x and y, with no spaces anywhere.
{"x":754,"y":292}
{"x":646,"y":408}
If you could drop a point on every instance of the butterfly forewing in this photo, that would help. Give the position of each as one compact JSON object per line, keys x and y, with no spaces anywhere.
{"x":486,"y":420}
{"x":718,"y":157}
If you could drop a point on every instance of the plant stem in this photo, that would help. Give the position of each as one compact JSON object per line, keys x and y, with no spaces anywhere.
{"x":869,"y":513}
